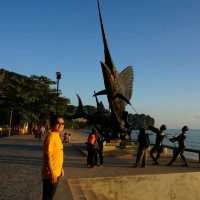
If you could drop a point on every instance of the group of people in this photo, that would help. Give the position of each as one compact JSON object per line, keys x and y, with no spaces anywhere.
{"x":95,"y":149}
{"x":39,"y":131}
{"x":95,"y":146}
{"x":156,"y":150}
{"x":53,"y":155}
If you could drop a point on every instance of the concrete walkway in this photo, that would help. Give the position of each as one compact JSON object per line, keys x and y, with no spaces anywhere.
{"x":21,"y":161}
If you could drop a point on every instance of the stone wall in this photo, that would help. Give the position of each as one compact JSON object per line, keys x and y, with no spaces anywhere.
{"x":178,"y":186}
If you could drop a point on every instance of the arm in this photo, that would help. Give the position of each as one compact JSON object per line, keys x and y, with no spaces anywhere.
{"x":62,"y":172}
{"x":153,"y":129}
{"x":175,"y":138}
{"x":50,"y":151}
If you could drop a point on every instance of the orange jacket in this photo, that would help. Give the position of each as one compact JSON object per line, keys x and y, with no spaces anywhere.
{"x":92,"y":138}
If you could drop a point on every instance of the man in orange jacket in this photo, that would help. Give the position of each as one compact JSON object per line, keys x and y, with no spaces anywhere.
{"x":52,"y":158}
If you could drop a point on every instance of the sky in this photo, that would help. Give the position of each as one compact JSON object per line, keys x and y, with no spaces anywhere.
{"x":159,"y":38}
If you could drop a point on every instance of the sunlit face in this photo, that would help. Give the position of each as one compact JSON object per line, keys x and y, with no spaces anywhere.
{"x":60,"y":124}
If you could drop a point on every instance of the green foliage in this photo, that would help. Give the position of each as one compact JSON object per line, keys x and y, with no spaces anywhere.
{"x":30,"y":98}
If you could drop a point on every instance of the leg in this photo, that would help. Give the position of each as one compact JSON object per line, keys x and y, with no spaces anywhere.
{"x":47,"y":190}
{"x":89,"y":157}
{"x":139,"y":154}
{"x":152,"y":152}
{"x":54,"y":187}
{"x":101,"y":156}
{"x":158,"y":154}
{"x":174,"y":156}
{"x":88,"y":160}
{"x":95,"y":157}
{"x":144,"y":157}
{"x":183,"y":157}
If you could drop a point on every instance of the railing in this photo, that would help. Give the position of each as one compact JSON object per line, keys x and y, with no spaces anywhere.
{"x":173,"y":148}
{"x":186,"y":149}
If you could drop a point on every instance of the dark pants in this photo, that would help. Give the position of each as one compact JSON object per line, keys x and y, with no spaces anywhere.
{"x":49,"y":189}
{"x":158,"y":150}
{"x":99,"y":155}
{"x":178,"y":152}
{"x":141,"y":155}
{"x":91,"y":155}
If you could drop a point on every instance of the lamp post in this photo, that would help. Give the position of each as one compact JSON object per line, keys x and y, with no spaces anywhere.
{"x":58,"y":77}
{"x":10,"y":124}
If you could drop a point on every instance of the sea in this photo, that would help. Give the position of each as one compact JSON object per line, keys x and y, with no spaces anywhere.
{"x":192,"y":140}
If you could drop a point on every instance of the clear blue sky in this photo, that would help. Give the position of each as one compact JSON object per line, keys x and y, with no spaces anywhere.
{"x":160,"y":39}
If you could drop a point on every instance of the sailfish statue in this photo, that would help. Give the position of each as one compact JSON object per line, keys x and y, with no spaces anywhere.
{"x":118,"y":89}
{"x":118,"y":86}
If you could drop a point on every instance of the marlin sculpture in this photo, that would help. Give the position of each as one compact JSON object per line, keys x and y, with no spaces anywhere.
{"x":118,"y":89}
{"x":118,"y":86}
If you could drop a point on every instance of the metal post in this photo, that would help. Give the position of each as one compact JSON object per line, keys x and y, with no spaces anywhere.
{"x":10,"y":125}
{"x":58,"y":77}
{"x":199,"y":156}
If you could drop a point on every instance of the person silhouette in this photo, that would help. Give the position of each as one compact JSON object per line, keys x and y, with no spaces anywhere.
{"x":99,"y":150}
{"x":143,"y":144}
{"x":181,"y":146}
{"x":158,"y":143}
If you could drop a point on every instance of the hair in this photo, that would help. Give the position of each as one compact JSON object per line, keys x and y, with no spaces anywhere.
{"x":185,"y":128}
{"x":53,"y":119}
{"x":94,"y":130}
{"x":163,"y":127}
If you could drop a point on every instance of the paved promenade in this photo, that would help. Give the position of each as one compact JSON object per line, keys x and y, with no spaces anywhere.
{"x":21,"y":161}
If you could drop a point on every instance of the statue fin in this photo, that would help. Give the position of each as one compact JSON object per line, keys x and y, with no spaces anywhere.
{"x":97,"y":101}
{"x":122,"y":97}
{"x":80,"y":104}
{"x":102,"y":92}
{"x":101,"y":107}
{"x":79,"y":112}
{"x":126,"y":82}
